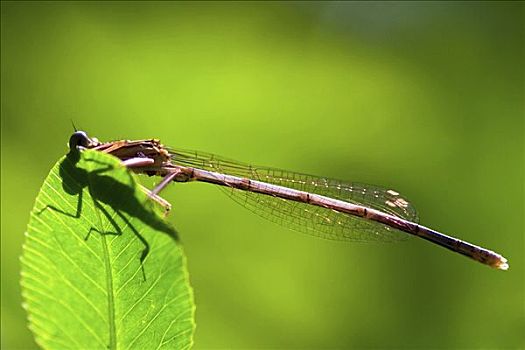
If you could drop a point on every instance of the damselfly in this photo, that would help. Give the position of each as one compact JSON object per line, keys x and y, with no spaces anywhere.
{"x":320,"y":206}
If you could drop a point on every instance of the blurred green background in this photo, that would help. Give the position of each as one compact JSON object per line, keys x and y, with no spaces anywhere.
{"x":426,"y":98}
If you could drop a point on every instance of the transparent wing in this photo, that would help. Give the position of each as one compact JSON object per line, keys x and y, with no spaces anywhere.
{"x":314,"y":220}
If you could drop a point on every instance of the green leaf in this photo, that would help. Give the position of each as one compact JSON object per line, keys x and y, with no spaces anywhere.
{"x":101,"y":268}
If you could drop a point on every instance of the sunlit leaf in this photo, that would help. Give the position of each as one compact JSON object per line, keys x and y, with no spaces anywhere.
{"x":101,"y":268}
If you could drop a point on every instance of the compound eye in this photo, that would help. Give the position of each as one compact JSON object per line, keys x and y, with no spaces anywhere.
{"x":79,"y":139}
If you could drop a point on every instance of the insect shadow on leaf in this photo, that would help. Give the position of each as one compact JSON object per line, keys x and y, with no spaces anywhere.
{"x":106,"y":189}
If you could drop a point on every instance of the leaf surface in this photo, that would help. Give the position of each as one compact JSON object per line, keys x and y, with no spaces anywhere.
{"x":101,"y":268}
